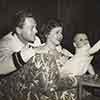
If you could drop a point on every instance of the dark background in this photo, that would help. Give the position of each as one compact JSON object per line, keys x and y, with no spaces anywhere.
{"x":77,"y":16}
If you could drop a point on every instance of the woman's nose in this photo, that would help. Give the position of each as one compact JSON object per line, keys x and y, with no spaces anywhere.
{"x":61,"y":36}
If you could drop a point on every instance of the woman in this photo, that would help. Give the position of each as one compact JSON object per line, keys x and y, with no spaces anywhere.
{"x":47,"y":53}
{"x":49,"y":60}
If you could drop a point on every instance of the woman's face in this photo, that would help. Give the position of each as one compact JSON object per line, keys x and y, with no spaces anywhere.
{"x":55,"y":35}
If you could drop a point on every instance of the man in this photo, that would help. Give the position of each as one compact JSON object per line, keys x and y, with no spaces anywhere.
{"x":16,"y":48}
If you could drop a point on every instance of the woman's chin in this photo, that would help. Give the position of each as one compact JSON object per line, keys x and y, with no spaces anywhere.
{"x":57,"y":43}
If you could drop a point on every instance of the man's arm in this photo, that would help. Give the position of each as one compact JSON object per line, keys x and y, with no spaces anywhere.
{"x":6,"y":61}
{"x":10,"y":60}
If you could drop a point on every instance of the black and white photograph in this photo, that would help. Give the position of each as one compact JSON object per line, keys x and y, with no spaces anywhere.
{"x":49,"y":49}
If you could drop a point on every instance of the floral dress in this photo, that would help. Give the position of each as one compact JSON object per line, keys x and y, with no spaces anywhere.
{"x":20,"y":85}
{"x":52,"y":86}
{"x":48,"y":72}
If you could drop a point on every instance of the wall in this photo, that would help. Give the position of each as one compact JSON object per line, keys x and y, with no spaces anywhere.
{"x":42,"y":10}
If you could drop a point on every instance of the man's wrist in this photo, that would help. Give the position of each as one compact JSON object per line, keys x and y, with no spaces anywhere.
{"x":18,"y":60}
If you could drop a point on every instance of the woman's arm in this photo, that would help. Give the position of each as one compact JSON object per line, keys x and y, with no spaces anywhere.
{"x":67,"y":53}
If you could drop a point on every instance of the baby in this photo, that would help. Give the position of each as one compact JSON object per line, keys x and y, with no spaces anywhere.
{"x":80,"y":63}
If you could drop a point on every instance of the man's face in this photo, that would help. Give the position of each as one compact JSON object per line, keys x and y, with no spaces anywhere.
{"x":81,"y":40}
{"x":29,"y":30}
{"x":55,"y":35}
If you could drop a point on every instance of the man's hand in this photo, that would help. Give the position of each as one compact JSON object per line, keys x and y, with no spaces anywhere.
{"x":27,"y":52}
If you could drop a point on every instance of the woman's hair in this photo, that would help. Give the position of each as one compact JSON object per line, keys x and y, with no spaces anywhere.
{"x":45,"y":29}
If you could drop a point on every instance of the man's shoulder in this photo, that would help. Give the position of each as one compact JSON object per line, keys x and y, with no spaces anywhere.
{"x":6,"y":39}
{"x":8,"y":36}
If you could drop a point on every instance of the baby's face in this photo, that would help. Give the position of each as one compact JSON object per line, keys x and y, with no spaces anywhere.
{"x":81,"y":40}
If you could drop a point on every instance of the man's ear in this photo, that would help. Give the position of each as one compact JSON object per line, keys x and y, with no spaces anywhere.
{"x":18,"y":30}
{"x":74,"y":44}
{"x":46,"y":36}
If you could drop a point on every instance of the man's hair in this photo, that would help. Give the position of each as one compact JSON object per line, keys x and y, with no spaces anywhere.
{"x":21,"y":16}
{"x":45,"y":30}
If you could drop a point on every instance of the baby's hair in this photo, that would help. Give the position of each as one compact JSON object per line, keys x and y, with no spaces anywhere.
{"x":77,"y":33}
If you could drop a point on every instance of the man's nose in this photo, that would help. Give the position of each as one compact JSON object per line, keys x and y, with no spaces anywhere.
{"x":35,"y":31}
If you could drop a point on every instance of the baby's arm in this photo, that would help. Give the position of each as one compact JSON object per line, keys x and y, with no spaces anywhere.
{"x":95,"y":48}
{"x":91,"y":70}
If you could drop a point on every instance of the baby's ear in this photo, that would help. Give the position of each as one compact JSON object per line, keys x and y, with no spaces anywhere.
{"x":74,"y":44}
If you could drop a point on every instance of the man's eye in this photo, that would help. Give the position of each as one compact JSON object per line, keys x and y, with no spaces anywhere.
{"x":33,"y":27}
{"x":86,"y":39}
{"x":57,"y":32}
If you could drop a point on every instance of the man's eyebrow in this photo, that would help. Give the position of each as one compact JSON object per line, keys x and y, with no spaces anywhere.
{"x":35,"y":24}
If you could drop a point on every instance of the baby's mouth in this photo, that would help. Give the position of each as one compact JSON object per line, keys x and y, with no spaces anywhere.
{"x":60,"y":39}
{"x":86,"y":43}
